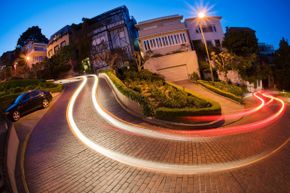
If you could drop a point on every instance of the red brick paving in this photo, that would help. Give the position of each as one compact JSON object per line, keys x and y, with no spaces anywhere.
{"x":57,"y":162}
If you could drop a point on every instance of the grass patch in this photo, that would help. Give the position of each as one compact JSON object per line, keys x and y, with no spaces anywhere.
{"x":9,"y":90}
{"x":286,"y":94}
{"x":161,"y":99}
{"x":228,"y":90}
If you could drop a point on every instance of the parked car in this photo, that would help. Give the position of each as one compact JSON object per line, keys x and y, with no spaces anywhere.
{"x":28,"y":102}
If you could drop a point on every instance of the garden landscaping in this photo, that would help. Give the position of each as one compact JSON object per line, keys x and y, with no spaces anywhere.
{"x":159,"y":98}
{"x":227,"y":90}
{"x":9,"y":90}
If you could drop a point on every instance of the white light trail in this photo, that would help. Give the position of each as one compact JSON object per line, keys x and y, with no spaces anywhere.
{"x":155,"y":166}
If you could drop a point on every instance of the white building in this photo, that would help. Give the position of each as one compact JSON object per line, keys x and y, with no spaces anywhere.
{"x":212,"y":29}
{"x":34,"y":52}
{"x":165,"y":40}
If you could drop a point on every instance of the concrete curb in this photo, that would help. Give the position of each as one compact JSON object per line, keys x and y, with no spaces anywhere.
{"x":24,"y":149}
{"x":163,"y":123}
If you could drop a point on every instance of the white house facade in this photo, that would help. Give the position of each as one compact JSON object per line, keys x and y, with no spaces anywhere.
{"x":165,"y":40}
{"x":211,"y":27}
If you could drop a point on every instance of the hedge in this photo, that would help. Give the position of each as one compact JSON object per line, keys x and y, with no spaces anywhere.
{"x":11,"y":89}
{"x":171,"y":113}
{"x":220,"y":92}
{"x":135,"y":96}
{"x":163,"y":112}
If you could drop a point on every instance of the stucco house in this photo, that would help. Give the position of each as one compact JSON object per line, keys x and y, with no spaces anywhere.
{"x":166,"y":43}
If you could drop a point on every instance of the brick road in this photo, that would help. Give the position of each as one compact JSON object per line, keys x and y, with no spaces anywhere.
{"x":57,"y":161}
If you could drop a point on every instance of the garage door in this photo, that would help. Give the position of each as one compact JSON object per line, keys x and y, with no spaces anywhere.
{"x":174,"y":73}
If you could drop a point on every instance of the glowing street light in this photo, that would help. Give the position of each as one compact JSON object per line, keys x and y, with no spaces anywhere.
{"x":202,"y":15}
{"x":27,"y":58}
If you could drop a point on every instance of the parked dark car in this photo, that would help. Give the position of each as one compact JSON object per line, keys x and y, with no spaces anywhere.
{"x":28,"y":102}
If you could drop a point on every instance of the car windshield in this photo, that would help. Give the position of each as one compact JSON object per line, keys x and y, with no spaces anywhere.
{"x":19,"y":98}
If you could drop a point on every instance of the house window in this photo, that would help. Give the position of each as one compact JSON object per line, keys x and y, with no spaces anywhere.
{"x":184,"y":37}
{"x":166,"y":41}
{"x":175,"y":39}
{"x":50,"y":53}
{"x":163,"y":41}
{"x":161,"y":45}
{"x":62,"y":44}
{"x":56,"y":48}
{"x":151,"y":43}
{"x":145,"y":45}
{"x":154,"y":43}
{"x":209,"y":43}
{"x":148,"y":44}
{"x":121,"y":34}
{"x":172,"y":39}
{"x":178,"y":38}
{"x":39,"y":49}
{"x":217,"y":43}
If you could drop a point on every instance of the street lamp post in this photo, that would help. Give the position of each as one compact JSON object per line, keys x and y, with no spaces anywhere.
{"x":201,"y":15}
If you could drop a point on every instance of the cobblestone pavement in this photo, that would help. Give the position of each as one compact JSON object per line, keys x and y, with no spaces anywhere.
{"x":57,"y":162}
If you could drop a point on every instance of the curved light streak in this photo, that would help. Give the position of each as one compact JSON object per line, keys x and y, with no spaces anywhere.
{"x":193,"y":135}
{"x":233,"y":115}
{"x":156,"y":166}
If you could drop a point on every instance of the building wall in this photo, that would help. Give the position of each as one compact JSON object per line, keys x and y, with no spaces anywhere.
{"x":166,"y":43}
{"x":165,"y":40}
{"x":160,"y":26}
{"x":54,"y":46}
{"x":114,"y":29}
{"x":173,"y":66}
{"x":163,"y":35}
{"x":35,"y":53}
{"x":211,"y":22}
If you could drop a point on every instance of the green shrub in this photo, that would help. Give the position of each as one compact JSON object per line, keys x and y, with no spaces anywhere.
{"x":207,"y":107}
{"x":11,"y":89}
{"x":160,"y":99}
{"x":233,"y":92}
{"x":135,"y":96}
{"x":194,"y":77}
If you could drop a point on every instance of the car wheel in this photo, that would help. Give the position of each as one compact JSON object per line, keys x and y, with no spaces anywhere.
{"x":45,"y":103}
{"x":15,"y":115}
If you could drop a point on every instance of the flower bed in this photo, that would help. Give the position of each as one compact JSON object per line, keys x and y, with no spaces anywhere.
{"x":230,"y":91}
{"x":161,"y":99}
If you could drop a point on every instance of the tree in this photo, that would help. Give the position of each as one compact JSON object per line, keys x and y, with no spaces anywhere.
{"x":81,"y":42}
{"x":139,"y":60}
{"x":112,"y":58}
{"x":223,"y":61}
{"x":31,"y":34}
{"x":241,"y":41}
{"x":55,"y":66}
{"x":282,"y":65}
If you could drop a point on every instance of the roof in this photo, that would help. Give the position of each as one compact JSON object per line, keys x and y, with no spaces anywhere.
{"x":110,"y":12}
{"x":160,"y":19}
{"x":66,"y":29}
{"x":241,"y":28}
{"x":207,"y":17}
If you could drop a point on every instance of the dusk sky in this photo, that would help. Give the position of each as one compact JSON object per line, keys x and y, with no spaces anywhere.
{"x":270,"y":19}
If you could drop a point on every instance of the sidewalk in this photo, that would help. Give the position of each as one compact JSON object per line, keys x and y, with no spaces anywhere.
{"x":24,"y":128}
{"x":227,"y":105}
